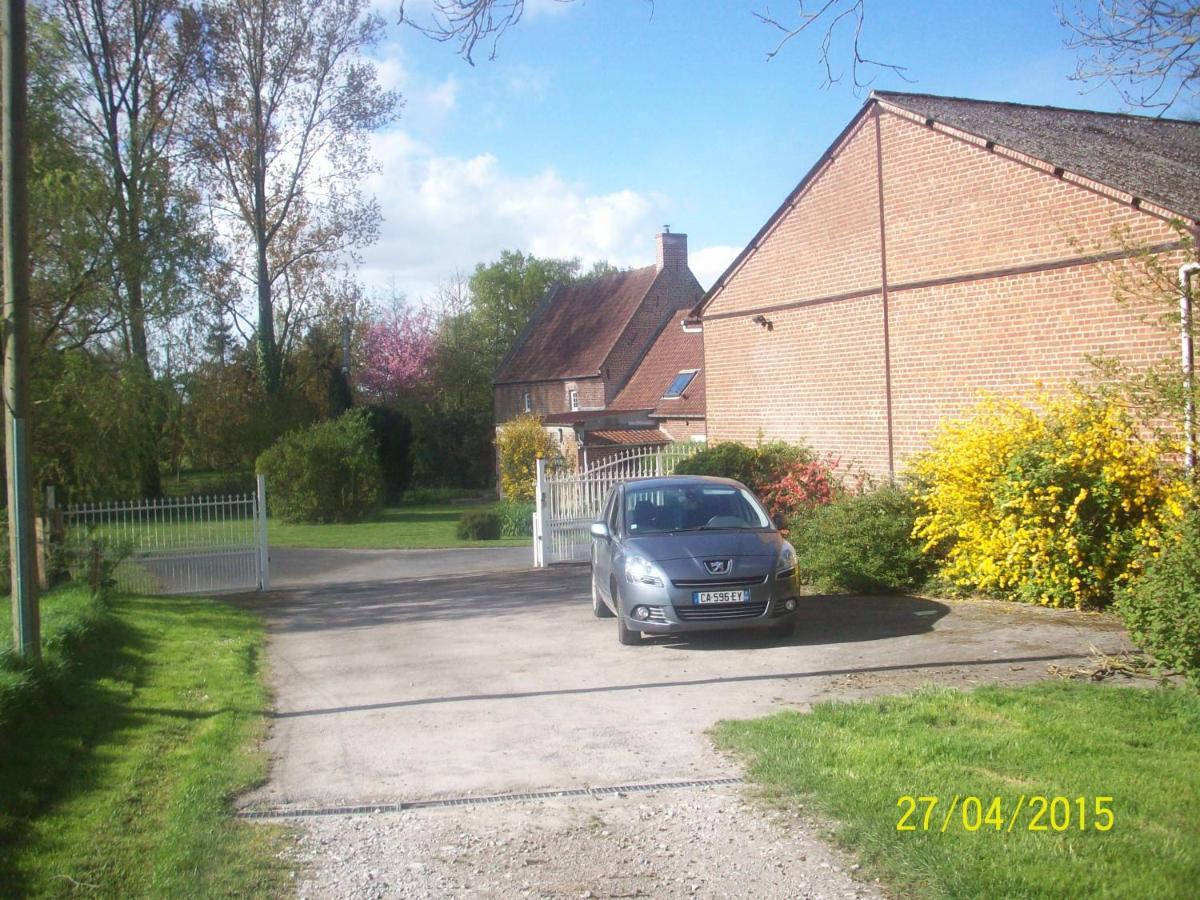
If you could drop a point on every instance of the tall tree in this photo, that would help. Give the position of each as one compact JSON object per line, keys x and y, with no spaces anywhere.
{"x":284,"y":107}
{"x":133,"y":57}
{"x":506,"y":293}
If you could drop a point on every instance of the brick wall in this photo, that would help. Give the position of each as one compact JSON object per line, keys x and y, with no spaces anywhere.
{"x":1015,"y":300}
{"x":547,"y":397}
{"x":682,"y":429}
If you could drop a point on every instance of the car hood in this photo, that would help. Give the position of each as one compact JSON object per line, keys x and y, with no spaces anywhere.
{"x":706,"y":545}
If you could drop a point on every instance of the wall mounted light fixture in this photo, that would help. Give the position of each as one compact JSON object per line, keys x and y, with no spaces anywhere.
{"x":764,"y":322}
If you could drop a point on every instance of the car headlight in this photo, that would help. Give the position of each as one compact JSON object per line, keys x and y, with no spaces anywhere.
{"x":640,"y":569}
{"x":787,"y":560}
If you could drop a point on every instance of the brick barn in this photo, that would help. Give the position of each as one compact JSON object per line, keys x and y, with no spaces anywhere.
{"x":938,"y":248}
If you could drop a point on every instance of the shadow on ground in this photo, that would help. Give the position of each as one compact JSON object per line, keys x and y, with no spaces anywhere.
{"x":355,"y":605}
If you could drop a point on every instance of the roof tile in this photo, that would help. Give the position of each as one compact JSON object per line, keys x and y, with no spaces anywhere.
{"x":573,"y":333}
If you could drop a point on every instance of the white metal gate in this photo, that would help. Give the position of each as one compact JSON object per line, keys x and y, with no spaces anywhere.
{"x":174,"y":545}
{"x":568,"y":502}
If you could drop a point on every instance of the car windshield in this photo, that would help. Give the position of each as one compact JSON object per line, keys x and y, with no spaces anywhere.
{"x":661,"y":509}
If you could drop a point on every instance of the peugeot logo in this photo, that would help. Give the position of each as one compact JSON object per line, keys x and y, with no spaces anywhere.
{"x":718,"y":566}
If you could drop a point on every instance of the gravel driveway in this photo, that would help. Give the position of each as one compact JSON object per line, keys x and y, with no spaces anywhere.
{"x":458,"y":685}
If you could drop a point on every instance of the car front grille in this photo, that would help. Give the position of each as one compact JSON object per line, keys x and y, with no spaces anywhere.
{"x":710,"y":613}
{"x":720,"y":584}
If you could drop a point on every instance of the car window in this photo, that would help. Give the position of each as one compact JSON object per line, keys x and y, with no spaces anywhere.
{"x":613,"y":511}
{"x":691,"y":507}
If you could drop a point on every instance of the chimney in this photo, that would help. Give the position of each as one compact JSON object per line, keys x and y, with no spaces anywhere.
{"x":672,"y":250}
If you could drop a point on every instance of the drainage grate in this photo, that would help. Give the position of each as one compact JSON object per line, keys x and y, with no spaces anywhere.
{"x":367,"y":809}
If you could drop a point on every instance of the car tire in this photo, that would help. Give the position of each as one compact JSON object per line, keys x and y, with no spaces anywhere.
{"x":599,"y":608}
{"x":627,"y":637}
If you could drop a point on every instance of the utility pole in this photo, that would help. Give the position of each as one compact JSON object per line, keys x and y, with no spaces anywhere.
{"x":14,"y":144}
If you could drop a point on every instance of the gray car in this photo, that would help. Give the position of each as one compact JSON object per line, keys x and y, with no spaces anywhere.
{"x":688,"y":553}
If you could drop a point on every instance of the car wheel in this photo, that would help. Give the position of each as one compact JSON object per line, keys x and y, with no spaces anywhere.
{"x":626,"y":636}
{"x":599,"y":608}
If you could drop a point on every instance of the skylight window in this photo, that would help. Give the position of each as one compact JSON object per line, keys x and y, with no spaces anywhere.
{"x":680,"y":384}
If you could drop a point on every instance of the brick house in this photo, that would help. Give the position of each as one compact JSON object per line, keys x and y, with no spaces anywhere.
{"x":581,"y":361}
{"x":938,"y":248}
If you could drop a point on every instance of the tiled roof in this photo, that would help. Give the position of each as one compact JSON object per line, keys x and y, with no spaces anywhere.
{"x":634,"y":437}
{"x":674,"y":351}
{"x":576,"y":328}
{"x":1151,"y":158}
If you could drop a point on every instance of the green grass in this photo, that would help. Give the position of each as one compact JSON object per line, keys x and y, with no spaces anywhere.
{"x":397,"y":527}
{"x":119,"y":783}
{"x":851,"y":762}
{"x":67,"y":616}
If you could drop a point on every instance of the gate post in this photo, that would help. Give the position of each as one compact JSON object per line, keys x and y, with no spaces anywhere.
{"x":264,"y":560}
{"x":539,"y":499}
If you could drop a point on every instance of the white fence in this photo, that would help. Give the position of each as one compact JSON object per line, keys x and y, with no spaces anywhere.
{"x":568,"y":502}
{"x":176,"y":545}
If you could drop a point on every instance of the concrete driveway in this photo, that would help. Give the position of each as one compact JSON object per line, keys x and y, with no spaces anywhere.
{"x":406,"y":679}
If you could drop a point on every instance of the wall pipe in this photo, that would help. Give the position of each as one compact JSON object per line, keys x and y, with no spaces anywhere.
{"x":1187,"y":361}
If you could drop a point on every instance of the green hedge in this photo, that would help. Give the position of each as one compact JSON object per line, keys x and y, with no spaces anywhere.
{"x":516,"y":519}
{"x":478,"y":525}
{"x":328,"y":472}
{"x":862,"y":544}
{"x":1162,"y":608}
{"x":756,"y":467}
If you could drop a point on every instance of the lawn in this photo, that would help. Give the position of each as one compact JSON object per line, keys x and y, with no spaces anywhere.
{"x":852,"y":762}
{"x":119,"y":782}
{"x":397,"y":527}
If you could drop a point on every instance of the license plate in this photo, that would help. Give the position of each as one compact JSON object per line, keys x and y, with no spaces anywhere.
{"x":699,"y":597}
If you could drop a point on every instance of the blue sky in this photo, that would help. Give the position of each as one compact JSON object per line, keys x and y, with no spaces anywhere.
{"x":600,"y":121}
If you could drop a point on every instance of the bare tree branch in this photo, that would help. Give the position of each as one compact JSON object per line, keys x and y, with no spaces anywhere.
{"x":1149,"y":50}
{"x":831,"y":14}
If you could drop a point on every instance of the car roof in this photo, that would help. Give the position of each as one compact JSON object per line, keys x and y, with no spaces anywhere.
{"x":676,"y":480}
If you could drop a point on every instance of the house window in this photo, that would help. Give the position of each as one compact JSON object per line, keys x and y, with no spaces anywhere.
{"x":573,"y":395}
{"x":680,"y":384}
{"x":528,"y":402}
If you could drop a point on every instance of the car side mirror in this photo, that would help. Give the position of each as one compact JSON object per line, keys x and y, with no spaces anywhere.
{"x":780,"y":522}
{"x":600,"y":530}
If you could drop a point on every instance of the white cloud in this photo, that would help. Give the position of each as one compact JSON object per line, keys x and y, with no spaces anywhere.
{"x":446,"y":213}
{"x":709,"y":263}
{"x":427,"y":102}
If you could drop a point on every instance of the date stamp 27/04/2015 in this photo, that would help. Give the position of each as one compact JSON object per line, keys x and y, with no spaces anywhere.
{"x":1032,"y":812}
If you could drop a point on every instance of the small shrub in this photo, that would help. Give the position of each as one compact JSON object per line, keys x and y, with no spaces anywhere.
{"x":862,"y":544}
{"x":1161,"y":609}
{"x":1052,"y":507}
{"x":478,"y":525}
{"x":725,"y":460}
{"x":328,"y":472}
{"x":520,"y":442}
{"x":515,"y":519}
{"x":803,"y":487}
{"x":759,"y":468}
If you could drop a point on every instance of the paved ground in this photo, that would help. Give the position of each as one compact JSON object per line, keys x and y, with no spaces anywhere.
{"x":326,"y":569}
{"x":445,"y":685}
{"x":449,"y":685}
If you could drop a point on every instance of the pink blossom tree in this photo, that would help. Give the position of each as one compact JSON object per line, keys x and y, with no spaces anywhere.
{"x":398,"y":349}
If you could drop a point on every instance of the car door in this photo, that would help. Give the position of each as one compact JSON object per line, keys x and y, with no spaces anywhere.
{"x":602,"y":547}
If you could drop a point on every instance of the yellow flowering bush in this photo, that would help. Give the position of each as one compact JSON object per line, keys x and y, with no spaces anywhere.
{"x":520,"y":442}
{"x":1051,"y":505}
